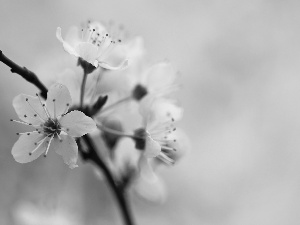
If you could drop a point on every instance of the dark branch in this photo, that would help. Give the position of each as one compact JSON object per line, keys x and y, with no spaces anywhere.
{"x":25,"y":73}
{"x":92,"y":155}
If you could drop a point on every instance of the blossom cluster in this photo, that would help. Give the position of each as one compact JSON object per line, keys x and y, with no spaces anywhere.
{"x":114,"y":93}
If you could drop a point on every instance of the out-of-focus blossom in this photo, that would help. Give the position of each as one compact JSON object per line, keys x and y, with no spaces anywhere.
{"x":158,"y":116}
{"x":148,"y":184}
{"x":73,"y":79}
{"x":27,"y":213}
{"x":55,"y":129}
{"x":158,"y":80}
{"x":95,"y":45}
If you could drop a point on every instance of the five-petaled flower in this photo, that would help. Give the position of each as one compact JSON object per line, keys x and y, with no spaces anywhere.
{"x":94,"y":45}
{"x":153,"y":138}
{"x":55,"y":128}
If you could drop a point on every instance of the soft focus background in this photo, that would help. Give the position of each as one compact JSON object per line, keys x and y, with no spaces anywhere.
{"x":240,"y":73}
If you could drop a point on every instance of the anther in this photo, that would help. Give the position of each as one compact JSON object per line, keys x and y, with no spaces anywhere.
{"x":29,"y":153}
{"x":25,"y":116}
{"x":26,"y":99}
{"x":53,"y":100}
{"x":11,"y":120}
{"x":18,"y":133}
{"x":35,"y":115}
{"x":28,"y":133}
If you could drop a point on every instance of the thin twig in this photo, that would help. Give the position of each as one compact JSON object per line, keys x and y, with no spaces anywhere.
{"x":25,"y":73}
{"x":118,"y":191}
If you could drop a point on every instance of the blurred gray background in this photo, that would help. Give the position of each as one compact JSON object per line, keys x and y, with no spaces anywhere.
{"x":240,"y":73}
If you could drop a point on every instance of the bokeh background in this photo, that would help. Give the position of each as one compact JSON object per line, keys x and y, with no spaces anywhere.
{"x":240,"y":69}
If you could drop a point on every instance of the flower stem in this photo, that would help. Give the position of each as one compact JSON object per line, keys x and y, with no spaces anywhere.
{"x":116,"y":103}
{"x":116,"y":132}
{"x":25,"y":73}
{"x":83,"y":88}
{"x":118,"y":191}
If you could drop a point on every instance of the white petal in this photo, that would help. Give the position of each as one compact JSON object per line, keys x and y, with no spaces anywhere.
{"x":67,"y":148}
{"x":181,"y":144}
{"x":25,"y":145}
{"x":149,"y":185}
{"x":105,"y":65}
{"x":152,"y":148}
{"x":72,"y":37}
{"x":87,"y":51}
{"x":27,"y":110}
{"x":166,"y":108}
{"x":145,"y":109}
{"x":58,"y":100}
{"x":67,"y":47}
{"x":160,"y":76}
{"x":77,"y":124}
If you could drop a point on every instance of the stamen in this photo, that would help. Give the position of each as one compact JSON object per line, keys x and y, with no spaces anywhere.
{"x":54,"y":108}
{"x":166,"y":159}
{"x":16,"y":121}
{"x":66,"y":109}
{"x":39,"y":144}
{"x":59,"y":137}
{"x":27,"y":100}
{"x":168,"y":148}
{"x":44,"y":107}
{"x":49,"y":142}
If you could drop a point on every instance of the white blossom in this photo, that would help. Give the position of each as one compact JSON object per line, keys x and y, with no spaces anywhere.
{"x":55,"y":128}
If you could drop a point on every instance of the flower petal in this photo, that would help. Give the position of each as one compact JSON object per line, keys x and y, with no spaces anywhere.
{"x":77,"y":124}
{"x":67,"y":148}
{"x":105,"y":65}
{"x":30,"y":111}
{"x":25,"y":145}
{"x":58,"y":100}
{"x":72,"y":37}
{"x":67,"y":47}
{"x":149,"y":185}
{"x":87,"y":52}
{"x":152,"y":148}
{"x":161,"y":77}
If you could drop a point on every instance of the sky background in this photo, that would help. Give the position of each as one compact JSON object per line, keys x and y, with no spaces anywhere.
{"x":239,"y":62}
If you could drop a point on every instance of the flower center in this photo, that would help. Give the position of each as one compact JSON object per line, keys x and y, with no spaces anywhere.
{"x":140,"y":136}
{"x":52,"y":127}
{"x":139,"y":92}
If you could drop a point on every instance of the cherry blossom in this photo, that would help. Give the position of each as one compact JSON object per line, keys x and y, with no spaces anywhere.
{"x":158,"y":116}
{"x":94,"y":44}
{"x":55,"y":128}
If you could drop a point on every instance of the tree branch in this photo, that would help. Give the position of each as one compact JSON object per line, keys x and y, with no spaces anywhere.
{"x":119,"y":192}
{"x":25,"y":73}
